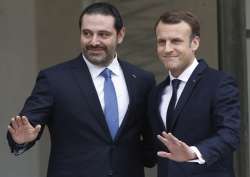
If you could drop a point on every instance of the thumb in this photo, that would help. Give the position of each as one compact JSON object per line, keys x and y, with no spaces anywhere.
{"x":11,"y":130}
{"x":37,"y":128}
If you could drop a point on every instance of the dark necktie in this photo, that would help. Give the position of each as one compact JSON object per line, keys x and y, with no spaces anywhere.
{"x":110,"y":101}
{"x":171,"y":106}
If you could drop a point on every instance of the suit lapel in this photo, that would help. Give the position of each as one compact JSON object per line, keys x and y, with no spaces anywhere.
{"x":130,"y":79}
{"x":83,"y":78}
{"x":187,"y":92}
{"x":159,"y":92}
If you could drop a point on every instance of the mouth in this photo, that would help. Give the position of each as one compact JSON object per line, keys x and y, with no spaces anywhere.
{"x":170,"y":58}
{"x":95,"y":50}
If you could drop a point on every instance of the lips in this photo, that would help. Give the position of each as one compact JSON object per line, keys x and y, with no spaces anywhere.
{"x":95,"y":51}
{"x":170,"y":58}
{"x":92,"y":49}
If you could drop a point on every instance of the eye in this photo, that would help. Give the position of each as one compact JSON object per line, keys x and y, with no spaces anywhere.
{"x":161,"y":42}
{"x":176,"y":41}
{"x":86,"y":33}
{"x":104,"y":34}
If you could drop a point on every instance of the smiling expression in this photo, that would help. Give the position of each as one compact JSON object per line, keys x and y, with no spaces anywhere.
{"x":99,"y":38}
{"x":175,"y":46}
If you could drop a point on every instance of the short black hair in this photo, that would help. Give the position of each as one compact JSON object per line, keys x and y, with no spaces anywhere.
{"x":103,"y":8}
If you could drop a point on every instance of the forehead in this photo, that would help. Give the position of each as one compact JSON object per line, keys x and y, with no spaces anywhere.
{"x":181,"y":29}
{"x":98,"y":22}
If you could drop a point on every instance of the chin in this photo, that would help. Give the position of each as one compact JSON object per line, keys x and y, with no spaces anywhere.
{"x":171,"y":66}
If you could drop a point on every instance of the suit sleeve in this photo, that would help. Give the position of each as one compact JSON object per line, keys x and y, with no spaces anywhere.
{"x":148,"y":145}
{"x":225,"y":115}
{"x":37,"y":109}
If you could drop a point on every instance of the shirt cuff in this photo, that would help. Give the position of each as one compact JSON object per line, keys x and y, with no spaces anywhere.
{"x":199,"y":159}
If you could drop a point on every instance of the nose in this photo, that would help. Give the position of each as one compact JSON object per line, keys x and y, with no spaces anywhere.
{"x":168,"y":47}
{"x":95,"y":40}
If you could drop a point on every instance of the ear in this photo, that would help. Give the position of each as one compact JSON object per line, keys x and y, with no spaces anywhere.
{"x":195,"y":43}
{"x":121,"y":35}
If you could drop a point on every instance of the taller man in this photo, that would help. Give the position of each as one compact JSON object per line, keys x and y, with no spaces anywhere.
{"x":195,"y":112}
{"x":93,"y":105}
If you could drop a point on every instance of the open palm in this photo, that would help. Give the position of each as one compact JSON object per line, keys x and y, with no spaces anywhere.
{"x":178,"y":150}
{"x":22,"y":131}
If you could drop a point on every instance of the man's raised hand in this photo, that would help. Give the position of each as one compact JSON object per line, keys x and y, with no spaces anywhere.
{"x":22,"y":131}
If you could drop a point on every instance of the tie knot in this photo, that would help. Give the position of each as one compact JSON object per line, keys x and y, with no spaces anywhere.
{"x":106,"y":73}
{"x":175,"y":84}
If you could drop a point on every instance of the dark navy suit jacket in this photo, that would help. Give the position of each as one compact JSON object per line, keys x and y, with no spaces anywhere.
{"x":207,"y":116}
{"x":64,"y":98}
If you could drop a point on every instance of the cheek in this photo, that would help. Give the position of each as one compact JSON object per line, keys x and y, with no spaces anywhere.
{"x":83,"y":41}
{"x":187,"y":53}
{"x":111,"y":44}
{"x":159,"y":50}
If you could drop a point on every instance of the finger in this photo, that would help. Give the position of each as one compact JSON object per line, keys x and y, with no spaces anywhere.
{"x":18,"y":121}
{"x":183,"y":144}
{"x":176,"y":141}
{"x":173,"y":139}
{"x":164,"y":154}
{"x":164,"y":134}
{"x":11,"y":130}
{"x":14,"y":123}
{"x":163,"y":140}
{"x":172,"y":143}
{"x":169,"y":138}
{"x":170,"y":156}
{"x":25,"y":120}
{"x":37,"y":128}
{"x":172,"y":136}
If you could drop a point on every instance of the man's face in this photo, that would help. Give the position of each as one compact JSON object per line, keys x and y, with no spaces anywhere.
{"x":99,"y":39}
{"x":175,"y":48}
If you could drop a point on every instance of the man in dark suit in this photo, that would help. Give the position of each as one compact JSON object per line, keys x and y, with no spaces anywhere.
{"x":194,"y":112}
{"x":93,"y":105}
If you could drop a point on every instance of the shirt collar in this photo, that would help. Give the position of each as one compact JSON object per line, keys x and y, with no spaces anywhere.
{"x":185,"y":75}
{"x":96,"y":70}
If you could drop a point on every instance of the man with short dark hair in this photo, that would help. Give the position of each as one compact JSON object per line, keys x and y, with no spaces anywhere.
{"x":195,"y":111}
{"x":93,"y":105}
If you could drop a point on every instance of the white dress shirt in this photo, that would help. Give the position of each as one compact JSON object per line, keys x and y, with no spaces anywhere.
{"x":118,"y":81}
{"x":166,"y":96}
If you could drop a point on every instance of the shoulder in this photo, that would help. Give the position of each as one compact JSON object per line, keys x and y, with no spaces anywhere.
{"x":140,"y":78}
{"x":212,"y":74}
{"x":133,"y":69}
{"x":219,"y":75}
{"x":62,"y":67}
{"x":219,"y":83}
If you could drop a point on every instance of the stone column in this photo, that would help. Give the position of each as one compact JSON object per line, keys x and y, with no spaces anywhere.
{"x":232,"y":44}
